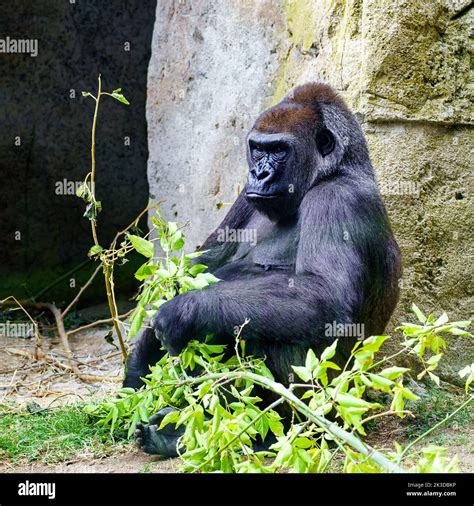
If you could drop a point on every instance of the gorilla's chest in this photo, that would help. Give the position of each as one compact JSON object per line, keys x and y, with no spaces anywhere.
{"x":274,"y":246}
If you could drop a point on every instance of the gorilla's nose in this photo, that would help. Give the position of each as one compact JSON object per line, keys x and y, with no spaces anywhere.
{"x":260,"y":174}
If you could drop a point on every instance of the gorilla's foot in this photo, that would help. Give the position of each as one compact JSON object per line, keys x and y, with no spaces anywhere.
{"x":158,"y":442}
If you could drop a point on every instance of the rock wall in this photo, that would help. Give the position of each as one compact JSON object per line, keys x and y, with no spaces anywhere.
{"x":404,"y":68}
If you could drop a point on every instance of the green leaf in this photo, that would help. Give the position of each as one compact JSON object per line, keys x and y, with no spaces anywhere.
{"x":92,"y":210}
{"x":172,"y":227}
{"x":95,"y":250}
{"x":197,"y":269}
{"x":393,"y":373}
{"x":330,"y":365}
{"x":145,"y":271}
{"x":408,"y":393}
{"x":177,"y":244}
{"x":195,"y":254}
{"x":442,"y":319}
{"x":208,"y":277}
{"x":459,"y":332}
{"x":136,"y":321}
{"x":311,"y":361}
{"x":171,"y":417}
{"x":119,"y":97}
{"x":190,"y":283}
{"x":373,"y":343}
{"x":302,"y":372}
{"x":172,"y":268}
{"x":418,"y":313}
{"x":303,"y":442}
{"x":144,"y":247}
{"x":435,"y":359}
{"x":349,"y":401}
{"x":162,"y":273}
{"x":381,"y":383}
{"x":434,"y":377}
{"x":85,"y":94}
{"x":329,"y":352}
{"x":469,"y":372}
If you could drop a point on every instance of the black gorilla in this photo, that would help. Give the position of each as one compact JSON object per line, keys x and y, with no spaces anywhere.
{"x":324,"y":250}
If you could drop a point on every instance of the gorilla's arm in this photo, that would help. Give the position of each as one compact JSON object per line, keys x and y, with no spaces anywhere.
{"x":277,"y":310}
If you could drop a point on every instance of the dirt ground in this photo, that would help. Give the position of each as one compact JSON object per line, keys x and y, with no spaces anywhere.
{"x":24,"y":380}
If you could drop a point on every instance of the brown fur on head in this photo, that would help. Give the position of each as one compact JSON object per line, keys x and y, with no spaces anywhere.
{"x":298,"y":109}
{"x":311,"y":94}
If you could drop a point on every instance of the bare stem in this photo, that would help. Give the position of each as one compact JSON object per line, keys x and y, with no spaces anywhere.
{"x":81,"y":291}
{"x":94,"y":124}
{"x":113,"y":312}
{"x":429,"y":431}
{"x":100,"y":322}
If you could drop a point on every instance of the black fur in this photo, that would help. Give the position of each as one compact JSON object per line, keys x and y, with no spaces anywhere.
{"x":324,"y":250}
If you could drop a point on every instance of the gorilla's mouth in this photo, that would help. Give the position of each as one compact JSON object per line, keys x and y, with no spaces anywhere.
{"x":258,"y":195}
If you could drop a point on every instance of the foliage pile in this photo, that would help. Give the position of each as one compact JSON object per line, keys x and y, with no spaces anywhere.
{"x":217,"y":401}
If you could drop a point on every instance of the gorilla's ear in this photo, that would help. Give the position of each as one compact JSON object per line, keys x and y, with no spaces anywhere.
{"x":325,"y":141}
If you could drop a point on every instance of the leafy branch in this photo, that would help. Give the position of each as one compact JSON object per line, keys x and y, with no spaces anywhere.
{"x":87,"y":193}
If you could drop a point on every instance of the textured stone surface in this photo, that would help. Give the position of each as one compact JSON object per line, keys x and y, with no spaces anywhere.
{"x":211,"y":70}
{"x":403,"y":67}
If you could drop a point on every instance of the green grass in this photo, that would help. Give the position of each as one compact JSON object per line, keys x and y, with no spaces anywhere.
{"x":435,"y":407}
{"x":53,"y":435}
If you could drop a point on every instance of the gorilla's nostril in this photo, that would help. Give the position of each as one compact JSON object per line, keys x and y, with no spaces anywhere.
{"x":263,"y":175}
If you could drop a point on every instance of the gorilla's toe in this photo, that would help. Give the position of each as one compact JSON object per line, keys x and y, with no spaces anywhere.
{"x":139,"y":435}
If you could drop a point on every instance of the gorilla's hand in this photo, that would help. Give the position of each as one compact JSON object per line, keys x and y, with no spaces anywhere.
{"x":174,"y":323}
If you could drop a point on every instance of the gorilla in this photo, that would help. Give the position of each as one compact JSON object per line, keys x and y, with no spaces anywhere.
{"x":324,"y":252}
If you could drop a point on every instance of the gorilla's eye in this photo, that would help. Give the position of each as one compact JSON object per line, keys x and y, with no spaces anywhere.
{"x":279,"y":153}
{"x":276,"y":150}
{"x":257,"y":151}
{"x":325,"y":142}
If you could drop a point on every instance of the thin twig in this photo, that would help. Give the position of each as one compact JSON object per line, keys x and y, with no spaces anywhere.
{"x":94,"y":124}
{"x":429,"y":431}
{"x":81,"y":291}
{"x":100,"y":322}
{"x":385,"y":413}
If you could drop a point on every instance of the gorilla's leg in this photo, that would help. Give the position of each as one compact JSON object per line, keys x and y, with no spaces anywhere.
{"x":147,"y":352}
{"x":158,"y":442}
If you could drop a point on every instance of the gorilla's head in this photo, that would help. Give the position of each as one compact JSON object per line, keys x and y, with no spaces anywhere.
{"x":296,"y":144}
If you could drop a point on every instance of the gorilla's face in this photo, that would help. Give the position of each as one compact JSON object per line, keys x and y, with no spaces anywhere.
{"x":283,"y":162}
{"x":270,"y":157}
